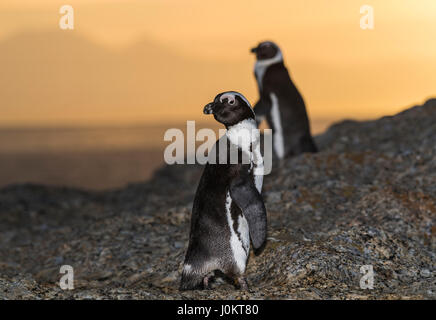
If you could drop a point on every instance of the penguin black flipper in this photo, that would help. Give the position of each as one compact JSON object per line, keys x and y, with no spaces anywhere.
{"x":245,"y":194}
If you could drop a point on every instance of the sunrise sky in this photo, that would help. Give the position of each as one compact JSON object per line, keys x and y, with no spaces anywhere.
{"x":162,"y":60}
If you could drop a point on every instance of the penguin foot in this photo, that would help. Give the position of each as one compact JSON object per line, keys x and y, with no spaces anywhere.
{"x":191,"y":281}
{"x":242,"y":283}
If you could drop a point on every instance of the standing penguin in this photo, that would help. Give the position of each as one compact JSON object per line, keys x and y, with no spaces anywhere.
{"x":281,"y":103}
{"x":228,"y":207}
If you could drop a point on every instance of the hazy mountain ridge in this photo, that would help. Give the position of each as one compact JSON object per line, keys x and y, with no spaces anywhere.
{"x":43,"y":72}
{"x":63,"y":78}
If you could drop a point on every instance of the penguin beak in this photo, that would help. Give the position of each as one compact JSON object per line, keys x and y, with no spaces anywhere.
{"x":208,"y":109}
{"x":253,"y":50}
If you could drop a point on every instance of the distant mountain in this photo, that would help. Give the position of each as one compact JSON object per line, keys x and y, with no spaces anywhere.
{"x":63,"y":78}
{"x":61,"y":75}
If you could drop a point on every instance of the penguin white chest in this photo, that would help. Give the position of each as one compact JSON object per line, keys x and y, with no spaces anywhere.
{"x":239,"y":239}
{"x":279,"y":145}
{"x":246,"y":136}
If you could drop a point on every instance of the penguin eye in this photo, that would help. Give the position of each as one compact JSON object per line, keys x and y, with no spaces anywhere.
{"x":231,"y":102}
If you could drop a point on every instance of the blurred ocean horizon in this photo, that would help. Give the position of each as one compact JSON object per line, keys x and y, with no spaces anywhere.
{"x":89,"y":157}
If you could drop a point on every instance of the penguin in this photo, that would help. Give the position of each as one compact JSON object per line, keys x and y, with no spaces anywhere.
{"x":281,"y":103}
{"x":228,"y":209}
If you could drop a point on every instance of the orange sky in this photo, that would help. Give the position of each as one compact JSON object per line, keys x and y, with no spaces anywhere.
{"x":341,"y":70}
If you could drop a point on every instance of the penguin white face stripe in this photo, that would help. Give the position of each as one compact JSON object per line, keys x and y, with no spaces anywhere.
{"x":230,"y":98}
{"x":261,"y":66}
{"x":279,"y":145}
{"x":232,"y":94}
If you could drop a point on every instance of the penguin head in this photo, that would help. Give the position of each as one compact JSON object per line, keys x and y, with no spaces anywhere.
{"x":230,"y":108}
{"x":266,"y":50}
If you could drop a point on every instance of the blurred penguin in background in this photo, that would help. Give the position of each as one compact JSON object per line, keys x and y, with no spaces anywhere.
{"x":280,"y":103}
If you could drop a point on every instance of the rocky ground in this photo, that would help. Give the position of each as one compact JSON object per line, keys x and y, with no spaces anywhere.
{"x":368,"y":198}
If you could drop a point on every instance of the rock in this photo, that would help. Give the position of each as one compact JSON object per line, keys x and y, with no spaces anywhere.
{"x":273,"y":197}
{"x":368,"y":198}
